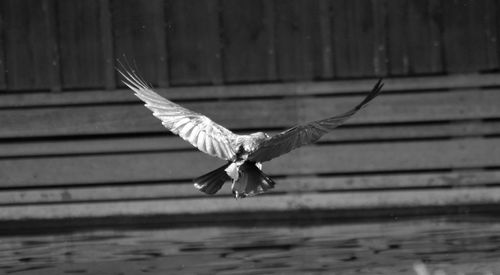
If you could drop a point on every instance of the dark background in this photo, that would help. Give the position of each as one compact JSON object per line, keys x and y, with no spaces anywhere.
{"x":54,"y":45}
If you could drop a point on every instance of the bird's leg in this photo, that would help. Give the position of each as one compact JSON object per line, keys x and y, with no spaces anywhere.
{"x":232,"y":171}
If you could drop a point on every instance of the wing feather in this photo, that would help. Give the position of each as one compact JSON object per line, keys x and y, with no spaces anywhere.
{"x":210,"y":146}
{"x":193,"y":137}
{"x":217,"y":149}
{"x":186,"y":130}
{"x":307,"y":133}
{"x":201,"y":141}
{"x":193,"y":127}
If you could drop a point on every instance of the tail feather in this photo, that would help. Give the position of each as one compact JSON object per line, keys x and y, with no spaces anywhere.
{"x":212,"y":182}
{"x":252,"y":181}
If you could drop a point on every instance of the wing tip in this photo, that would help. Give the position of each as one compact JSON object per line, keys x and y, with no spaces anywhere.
{"x":377,"y":88}
{"x":129,"y":74}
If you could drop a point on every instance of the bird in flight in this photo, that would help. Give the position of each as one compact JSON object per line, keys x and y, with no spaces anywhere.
{"x":243,"y":153}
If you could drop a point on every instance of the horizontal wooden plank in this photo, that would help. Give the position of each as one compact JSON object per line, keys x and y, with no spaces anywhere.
{"x":172,"y":142}
{"x":160,"y":166}
{"x":290,"y":202}
{"x":251,"y":114}
{"x":284,"y":185}
{"x":457,"y":81}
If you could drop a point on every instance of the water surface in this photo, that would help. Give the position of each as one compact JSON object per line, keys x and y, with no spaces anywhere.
{"x":439,"y":245}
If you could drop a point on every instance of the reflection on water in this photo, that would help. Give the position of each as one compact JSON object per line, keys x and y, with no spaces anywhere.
{"x":424,"y":246}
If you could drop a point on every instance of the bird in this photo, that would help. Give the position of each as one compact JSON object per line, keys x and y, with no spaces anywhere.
{"x":244,"y":154}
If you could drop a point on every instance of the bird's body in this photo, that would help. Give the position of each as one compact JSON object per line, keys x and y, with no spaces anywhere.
{"x":250,"y":143}
{"x":244,"y":145}
{"x":243,"y":153}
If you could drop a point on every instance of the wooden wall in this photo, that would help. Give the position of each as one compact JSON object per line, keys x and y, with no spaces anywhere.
{"x":71,"y":44}
{"x":74,"y":143}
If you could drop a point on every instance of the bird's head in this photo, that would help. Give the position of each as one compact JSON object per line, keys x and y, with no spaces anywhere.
{"x":249,"y":143}
{"x":259,"y":136}
{"x":252,"y":141}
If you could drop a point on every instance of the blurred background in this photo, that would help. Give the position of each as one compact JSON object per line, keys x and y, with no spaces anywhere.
{"x":74,"y":143}
{"x":402,"y":188}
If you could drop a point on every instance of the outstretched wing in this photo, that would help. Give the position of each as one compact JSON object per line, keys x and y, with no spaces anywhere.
{"x":308,"y":133}
{"x":197,"y":129}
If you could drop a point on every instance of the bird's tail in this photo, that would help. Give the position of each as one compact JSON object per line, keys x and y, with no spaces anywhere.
{"x":211,"y":182}
{"x":251,"y":181}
